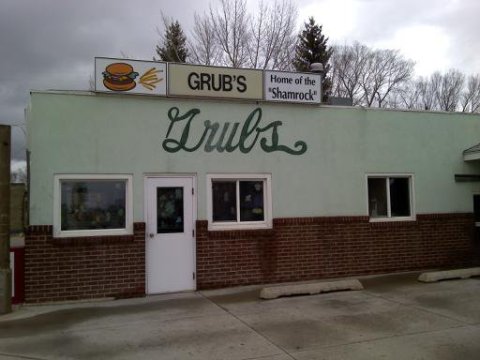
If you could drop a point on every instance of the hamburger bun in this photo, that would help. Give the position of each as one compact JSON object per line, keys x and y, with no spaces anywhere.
{"x":119,"y":77}
{"x":119,"y":87}
{"x":119,"y":69}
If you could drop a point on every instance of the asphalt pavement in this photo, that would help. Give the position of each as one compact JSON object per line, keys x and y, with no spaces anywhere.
{"x":394,"y":317}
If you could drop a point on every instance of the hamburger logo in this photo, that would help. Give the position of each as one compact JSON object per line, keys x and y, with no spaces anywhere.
{"x":119,"y":77}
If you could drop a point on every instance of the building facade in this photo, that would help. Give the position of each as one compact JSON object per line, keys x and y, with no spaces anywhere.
{"x":134,"y":195}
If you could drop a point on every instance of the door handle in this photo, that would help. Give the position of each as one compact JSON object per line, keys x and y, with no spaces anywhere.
{"x":151,"y":235}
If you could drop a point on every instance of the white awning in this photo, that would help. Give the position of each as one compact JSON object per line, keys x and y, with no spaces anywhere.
{"x":472,"y":154}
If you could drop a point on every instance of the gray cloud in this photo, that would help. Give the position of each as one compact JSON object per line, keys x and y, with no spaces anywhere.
{"x":51,"y":44}
{"x":463,"y":22}
{"x":379,"y":19}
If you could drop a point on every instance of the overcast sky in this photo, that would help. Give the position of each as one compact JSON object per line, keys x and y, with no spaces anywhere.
{"x":51,"y":44}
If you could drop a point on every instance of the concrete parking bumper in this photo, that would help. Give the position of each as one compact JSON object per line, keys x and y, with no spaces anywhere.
{"x":274,"y":292}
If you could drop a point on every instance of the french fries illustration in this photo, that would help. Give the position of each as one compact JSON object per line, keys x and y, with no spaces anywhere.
{"x":150,"y":78}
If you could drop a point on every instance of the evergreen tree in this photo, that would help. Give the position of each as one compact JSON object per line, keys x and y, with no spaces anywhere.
{"x":312,"y":48}
{"x":174,"y":47}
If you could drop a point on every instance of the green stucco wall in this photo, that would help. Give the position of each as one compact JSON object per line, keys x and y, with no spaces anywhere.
{"x":88,"y":133}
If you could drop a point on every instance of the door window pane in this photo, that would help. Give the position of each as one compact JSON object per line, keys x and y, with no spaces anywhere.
{"x":224,"y":201}
{"x":399,"y":197}
{"x":377,"y":197}
{"x":251,"y":201}
{"x":170,"y":217}
{"x":93,"y":204}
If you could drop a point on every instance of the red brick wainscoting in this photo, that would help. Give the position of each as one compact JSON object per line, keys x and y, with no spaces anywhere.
{"x":58,"y":269}
{"x":322,"y":247}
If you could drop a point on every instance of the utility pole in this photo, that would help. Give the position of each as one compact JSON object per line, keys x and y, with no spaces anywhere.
{"x":5,"y":273}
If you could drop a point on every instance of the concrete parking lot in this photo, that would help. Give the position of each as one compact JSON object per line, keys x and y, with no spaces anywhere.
{"x":394,"y":317}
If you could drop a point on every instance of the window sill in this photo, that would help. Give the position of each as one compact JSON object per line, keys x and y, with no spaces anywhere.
{"x":92,"y":233}
{"x":393,"y":219}
{"x":237,"y":226}
{"x":93,"y":240}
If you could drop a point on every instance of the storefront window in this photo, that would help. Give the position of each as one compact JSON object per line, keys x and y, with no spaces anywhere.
{"x":92,"y":206}
{"x":389,"y":197}
{"x":224,"y":201}
{"x":377,"y":197}
{"x":251,"y":201}
{"x":239,"y":201}
{"x":399,"y":197}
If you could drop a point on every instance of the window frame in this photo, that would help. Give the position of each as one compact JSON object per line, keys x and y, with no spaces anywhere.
{"x":389,"y":217}
{"x":57,"y":221}
{"x":241,"y":225}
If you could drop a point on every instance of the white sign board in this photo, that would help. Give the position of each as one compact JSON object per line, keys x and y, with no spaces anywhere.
{"x":292,"y":87}
{"x":212,"y":81}
{"x":12,"y":269}
{"x":130,"y":76}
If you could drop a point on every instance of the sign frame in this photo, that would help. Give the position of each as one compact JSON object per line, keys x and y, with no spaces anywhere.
{"x":231,"y":69}
{"x":304,"y":76}
{"x":161,"y":93}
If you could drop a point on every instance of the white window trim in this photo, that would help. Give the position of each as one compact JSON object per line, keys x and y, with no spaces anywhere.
{"x":411,"y":187}
{"x":57,"y":229}
{"x":245,"y":225}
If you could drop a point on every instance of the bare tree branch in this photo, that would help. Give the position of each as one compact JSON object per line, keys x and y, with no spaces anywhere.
{"x":203,"y":48}
{"x":428,"y":89}
{"x":449,"y":90}
{"x":273,"y":32}
{"x":385,"y":71}
{"x":348,"y":65}
{"x":230,"y":36}
{"x":257,"y":29}
{"x":230,"y":22}
{"x":368,"y":76}
{"x":408,"y":96}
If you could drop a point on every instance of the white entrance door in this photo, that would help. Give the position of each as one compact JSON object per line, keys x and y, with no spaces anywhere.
{"x":170,"y":254}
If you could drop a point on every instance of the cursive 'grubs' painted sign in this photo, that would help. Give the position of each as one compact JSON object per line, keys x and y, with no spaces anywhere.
{"x":227,"y":136}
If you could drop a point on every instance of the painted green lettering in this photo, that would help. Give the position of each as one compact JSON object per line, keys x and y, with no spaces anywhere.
{"x":209,"y":147}
{"x":229,"y":146}
{"x":172,"y":145}
{"x":275,"y":146}
{"x":247,"y":130}
{"x":249,"y":135}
